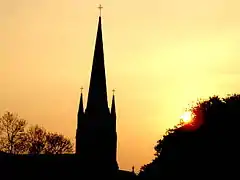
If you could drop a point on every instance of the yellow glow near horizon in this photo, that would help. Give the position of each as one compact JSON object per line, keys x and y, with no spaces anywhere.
{"x":186,"y":117}
{"x":159,"y":57}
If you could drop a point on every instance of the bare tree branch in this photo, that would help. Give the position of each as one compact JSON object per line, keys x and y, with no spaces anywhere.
{"x":58,"y":144}
{"x":11,"y":132}
{"x":36,"y":139}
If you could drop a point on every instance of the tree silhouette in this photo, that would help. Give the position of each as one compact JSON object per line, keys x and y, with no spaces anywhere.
{"x":39,"y":141}
{"x":205,"y":147}
{"x":36,"y":139}
{"x":16,"y":139}
{"x":12,"y":133}
{"x":57,"y":144}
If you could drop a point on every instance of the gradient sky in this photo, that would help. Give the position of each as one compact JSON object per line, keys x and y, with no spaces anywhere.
{"x":160,"y":55}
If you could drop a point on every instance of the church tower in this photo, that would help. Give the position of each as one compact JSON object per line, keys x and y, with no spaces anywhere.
{"x":96,"y":136}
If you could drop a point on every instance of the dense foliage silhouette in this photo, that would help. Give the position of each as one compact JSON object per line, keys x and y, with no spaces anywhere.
{"x":16,"y":138}
{"x":206,"y":147}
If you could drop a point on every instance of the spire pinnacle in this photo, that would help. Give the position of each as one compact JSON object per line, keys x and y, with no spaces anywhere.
{"x":97,"y":94}
{"x":100,"y":9}
{"x":113,"y":108}
{"x":81,"y":108}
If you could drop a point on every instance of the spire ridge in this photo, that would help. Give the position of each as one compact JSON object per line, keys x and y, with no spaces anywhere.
{"x":97,"y":94}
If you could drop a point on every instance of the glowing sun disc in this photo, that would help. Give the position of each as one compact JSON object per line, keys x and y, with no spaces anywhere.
{"x":186,"y":117}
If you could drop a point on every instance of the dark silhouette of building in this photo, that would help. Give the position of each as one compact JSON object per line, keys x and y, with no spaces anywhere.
{"x":96,"y":139}
{"x":96,"y":136}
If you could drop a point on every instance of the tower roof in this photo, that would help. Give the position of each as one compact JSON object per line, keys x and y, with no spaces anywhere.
{"x":113,"y":108}
{"x":81,"y":108}
{"x":97,"y":95}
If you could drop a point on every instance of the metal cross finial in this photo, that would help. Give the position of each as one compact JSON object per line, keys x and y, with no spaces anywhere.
{"x":113,"y":91}
{"x":100,"y":8}
{"x":81,"y":89}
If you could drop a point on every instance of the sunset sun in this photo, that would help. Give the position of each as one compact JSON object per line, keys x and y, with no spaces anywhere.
{"x":186,"y":117}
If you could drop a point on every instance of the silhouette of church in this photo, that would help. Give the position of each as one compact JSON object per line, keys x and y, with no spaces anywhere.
{"x":96,"y":139}
{"x":96,"y":126}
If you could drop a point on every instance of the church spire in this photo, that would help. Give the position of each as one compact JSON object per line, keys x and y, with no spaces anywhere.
{"x":97,"y":127}
{"x":97,"y":95}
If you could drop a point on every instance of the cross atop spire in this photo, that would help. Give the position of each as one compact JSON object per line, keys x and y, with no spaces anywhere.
{"x":81,"y":89}
{"x":100,"y":8}
{"x":113,"y":91}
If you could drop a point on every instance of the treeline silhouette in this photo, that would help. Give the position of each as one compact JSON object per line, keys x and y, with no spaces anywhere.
{"x":17,"y":138}
{"x":206,"y":147}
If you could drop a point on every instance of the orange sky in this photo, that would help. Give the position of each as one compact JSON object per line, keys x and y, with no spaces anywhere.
{"x":160,"y":55}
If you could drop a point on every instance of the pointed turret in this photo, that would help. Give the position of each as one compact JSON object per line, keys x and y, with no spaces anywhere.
{"x":114,"y":128}
{"x":97,"y":95}
{"x":80,"y":122}
{"x":113,"y":108}
{"x":81,"y":108}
